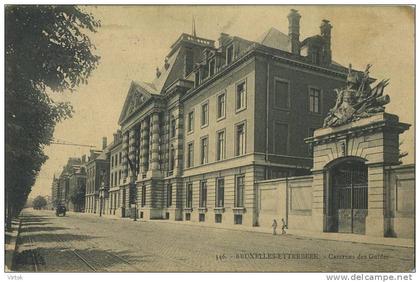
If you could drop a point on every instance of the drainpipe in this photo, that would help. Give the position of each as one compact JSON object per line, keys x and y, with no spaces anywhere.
{"x":287,"y":201}
{"x":267,"y":102}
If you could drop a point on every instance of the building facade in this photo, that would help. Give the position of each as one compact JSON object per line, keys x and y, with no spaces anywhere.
{"x":97,"y":176}
{"x":216,"y":119}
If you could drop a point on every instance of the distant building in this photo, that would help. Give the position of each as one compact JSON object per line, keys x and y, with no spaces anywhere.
{"x":115,"y":175}
{"x":97,"y":171}
{"x":65,"y":186}
{"x":77,"y":187}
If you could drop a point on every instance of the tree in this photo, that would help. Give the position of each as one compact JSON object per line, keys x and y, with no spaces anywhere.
{"x":39,"y":203}
{"x":46,"y":48}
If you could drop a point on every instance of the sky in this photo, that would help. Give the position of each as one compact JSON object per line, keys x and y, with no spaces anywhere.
{"x":134,"y":40}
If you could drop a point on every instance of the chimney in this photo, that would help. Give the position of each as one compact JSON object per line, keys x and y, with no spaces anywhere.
{"x":326,"y":35}
{"x":223,"y":38}
{"x":103,"y":143}
{"x":294,"y":19}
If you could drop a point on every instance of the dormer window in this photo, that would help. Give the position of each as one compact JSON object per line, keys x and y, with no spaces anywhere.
{"x":212,"y":67}
{"x":229,"y":54}
{"x":197,"y":78}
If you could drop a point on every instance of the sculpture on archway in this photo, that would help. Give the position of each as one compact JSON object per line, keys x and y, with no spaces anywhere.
{"x":357,"y":100}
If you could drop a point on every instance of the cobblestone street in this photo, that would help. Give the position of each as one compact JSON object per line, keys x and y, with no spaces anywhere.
{"x":85,"y":243}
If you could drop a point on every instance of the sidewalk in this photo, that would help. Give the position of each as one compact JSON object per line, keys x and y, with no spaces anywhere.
{"x":345,"y":237}
{"x":11,"y":245}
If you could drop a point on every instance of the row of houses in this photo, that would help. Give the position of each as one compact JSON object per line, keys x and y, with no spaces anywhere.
{"x":219,"y":120}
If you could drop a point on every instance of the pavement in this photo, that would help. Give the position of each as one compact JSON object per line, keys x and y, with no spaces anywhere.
{"x":88,"y":243}
{"x":11,"y":245}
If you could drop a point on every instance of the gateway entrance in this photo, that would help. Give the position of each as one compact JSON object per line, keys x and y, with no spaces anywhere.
{"x":348,"y":199}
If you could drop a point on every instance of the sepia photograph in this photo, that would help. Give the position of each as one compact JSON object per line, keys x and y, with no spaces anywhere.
{"x":209,"y":138}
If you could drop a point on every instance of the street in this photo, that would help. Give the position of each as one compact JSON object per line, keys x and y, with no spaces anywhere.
{"x":87,"y":243}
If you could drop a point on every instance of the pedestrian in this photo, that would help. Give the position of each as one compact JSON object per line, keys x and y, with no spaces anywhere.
{"x":274,"y":225}
{"x":283,"y":227}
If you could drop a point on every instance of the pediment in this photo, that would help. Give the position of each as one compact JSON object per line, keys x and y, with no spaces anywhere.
{"x":136,"y":97}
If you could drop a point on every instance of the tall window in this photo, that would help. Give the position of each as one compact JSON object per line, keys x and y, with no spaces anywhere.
{"x":190,"y":121}
{"x":188,"y":203}
{"x":190,"y":155}
{"x":241,"y":96}
{"x":239,"y":191}
{"x":203,"y":194}
{"x":221,"y":105}
{"x":143,"y":196}
{"x":220,"y":192}
{"x":212,"y":67}
{"x":204,"y":150}
{"x":221,"y":145}
{"x":310,"y":134}
{"x":314,"y":100}
{"x":281,"y":138}
{"x":281,"y":89}
{"x":240,"y":140}
{"x":173,"y":126}
{"x":169,"y":195}
{"x":229,"y":54}
{"x":172,"y":158}
{"x":204,"y":114}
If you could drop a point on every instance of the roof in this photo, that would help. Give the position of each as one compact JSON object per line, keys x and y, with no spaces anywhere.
{"x":159,"y":82}
{"x":275,"y":39}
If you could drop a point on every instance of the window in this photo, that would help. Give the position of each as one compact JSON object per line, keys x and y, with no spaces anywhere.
{"x":237,"y":218}
{"x":241,"y":96}
{"x":218,"y":218}
{"x":310,"y":134}
{"x":143,"y":196}
{"x":282,"y":93}
{"x":221,"y":105}
{"x":212,"y":67}
{"x":190,"y":155}
{"x":173,"y":127}
{"x":201,"y":217}
{"x":281,"y":138}
{"x":229,"y":54}
{"x":239,"y":191}
{"x":203,"y":194}
{"x":240,"y":140}
{"x":190,"y":121}
{"x":220,"y":192}
{"x":204,"y":114}
{"x":120,"y":157}
{"x":314,"y":100}
{"x":169,"y":195}
{"x":187,"y":216}
{"x":189,"y":195}
{"x":172,"y":158}
{"x":196,"y":78}
{"x":221,"y":145}
{"x":204,"y":150}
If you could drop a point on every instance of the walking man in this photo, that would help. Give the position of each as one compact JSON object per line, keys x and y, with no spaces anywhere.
{"x":283,"y":227}
{"x":274,"y":225}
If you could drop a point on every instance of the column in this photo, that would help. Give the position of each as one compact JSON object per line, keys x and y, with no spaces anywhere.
{"x":125,"y":156}
{"x":155,"y":142}
{"x":375,"y":220}
{"x":132,"y":152}
{"x":144,"y":147}
{"x":179,"y":142}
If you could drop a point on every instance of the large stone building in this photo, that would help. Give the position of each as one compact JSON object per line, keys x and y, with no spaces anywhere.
{"x":218,"y":118}
{"x":219,"y":138}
